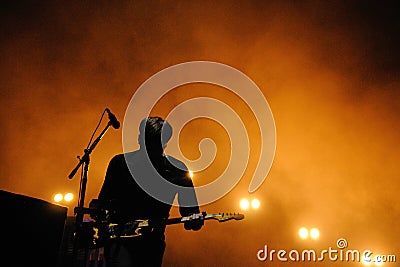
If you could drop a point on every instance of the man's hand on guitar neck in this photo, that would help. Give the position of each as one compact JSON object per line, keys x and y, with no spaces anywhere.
{"x":195,"y":222}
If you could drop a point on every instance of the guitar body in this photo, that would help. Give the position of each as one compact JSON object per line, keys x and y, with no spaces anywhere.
{"x":129,"y":229}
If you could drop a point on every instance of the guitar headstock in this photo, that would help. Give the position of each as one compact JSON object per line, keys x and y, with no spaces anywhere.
{"x":222,"y":217}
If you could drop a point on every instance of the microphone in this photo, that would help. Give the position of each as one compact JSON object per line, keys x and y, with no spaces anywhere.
{"x":113,"y":120}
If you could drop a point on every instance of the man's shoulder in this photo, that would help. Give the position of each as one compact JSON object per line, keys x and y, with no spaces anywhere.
{"x":123,"y":157}
{"x":176,"y":163}
{"x":117,"y":158}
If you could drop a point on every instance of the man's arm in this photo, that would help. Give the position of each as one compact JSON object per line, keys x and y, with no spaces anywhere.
{"x":113,"y":186}
{"x":106,"y":192}
{"x":188,"y":205}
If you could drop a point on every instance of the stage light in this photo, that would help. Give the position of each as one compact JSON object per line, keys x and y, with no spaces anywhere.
{"x":314,"y":233}
{"x":58,"y":197}
{"x":244,"y":204}
{"x":255,"y":203}
{"x":68,"y":197}
{"x":373,"y":261}
{"x":303,"y":233}
{"x":365,"y":262}
{"x":191,"y":174}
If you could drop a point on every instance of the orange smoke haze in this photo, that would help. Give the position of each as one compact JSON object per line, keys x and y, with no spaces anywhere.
{"x":330,"y":73}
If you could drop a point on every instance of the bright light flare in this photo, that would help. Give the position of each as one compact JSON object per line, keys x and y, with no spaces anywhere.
{"x":366,"y":262}
{"x":68,"y":197}
{"x":191,"y":174}
{"x":244,"y":204}
{"x":375,"y":260}
{"x":255,"y":203}
{"x":58,"y":197}
{"x":314,"y":233}
{"x":303,"y":233}
{"x":372,"y":261}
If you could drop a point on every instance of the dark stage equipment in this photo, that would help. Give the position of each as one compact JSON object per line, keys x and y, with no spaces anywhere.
{"x":31,"y":231}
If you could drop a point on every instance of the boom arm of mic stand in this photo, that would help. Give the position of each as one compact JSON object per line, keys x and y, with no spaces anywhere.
{"x":85,"y":160}
{"x":88,"y":151}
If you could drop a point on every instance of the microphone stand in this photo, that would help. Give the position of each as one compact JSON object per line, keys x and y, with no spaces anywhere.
{"x":80,"y":210}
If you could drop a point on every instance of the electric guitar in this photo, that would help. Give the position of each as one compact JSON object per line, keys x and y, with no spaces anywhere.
{"x":140,"y":227}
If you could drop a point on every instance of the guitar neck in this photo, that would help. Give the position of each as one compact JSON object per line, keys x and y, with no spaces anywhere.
{"x":174,"y":220}
{"x":186,"y":218}
{"x":221,"y":217}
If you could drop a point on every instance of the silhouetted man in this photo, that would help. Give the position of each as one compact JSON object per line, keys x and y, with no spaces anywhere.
{"x":133,"y":189}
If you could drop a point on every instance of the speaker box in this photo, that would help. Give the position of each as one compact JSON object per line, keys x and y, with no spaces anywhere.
{"x":32,"y":230}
